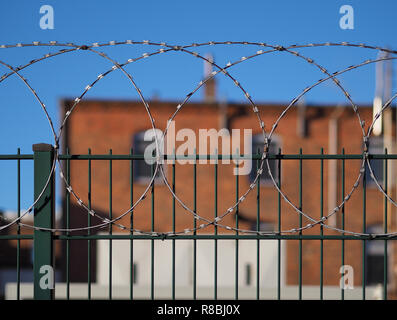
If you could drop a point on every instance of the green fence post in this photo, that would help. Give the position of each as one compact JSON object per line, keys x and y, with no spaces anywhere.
{"x":43,"y":261}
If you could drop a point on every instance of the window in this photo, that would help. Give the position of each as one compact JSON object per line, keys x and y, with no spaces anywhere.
{"x":258,"y":143}
{"x":135,"y":273}
{"x":375,"y":146}
{"x":248,"y":273}
{"x":374,"y":258}
{"x":143,"y":170}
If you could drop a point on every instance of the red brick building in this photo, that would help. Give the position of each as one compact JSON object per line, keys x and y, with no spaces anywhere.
{"x":118,"y":125}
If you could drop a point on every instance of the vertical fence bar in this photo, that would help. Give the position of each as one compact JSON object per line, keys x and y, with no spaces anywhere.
{"x":131,"y":226}
{"x":43,"y":261}
{"x":152,"y":240}
{"x":18,"y":226}
{"x":385,"y":260}
{"x":89,"y":280}
{"x":321,"y":226}
{"x":258,"y":212}
{"x":67,"y":226}
{"x":216,"y":229}
{"x":195,"y":226}
{"x":279,"y":229}
{"x":110,"y":225}
{"x":173,"y":228}
{"x":343,"y":218}
{"x":364,"y":230}
{"x":300,"y":224}
{"x":237,"y":225}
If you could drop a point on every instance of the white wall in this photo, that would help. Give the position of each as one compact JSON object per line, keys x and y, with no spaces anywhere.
{"x":184,"y":262}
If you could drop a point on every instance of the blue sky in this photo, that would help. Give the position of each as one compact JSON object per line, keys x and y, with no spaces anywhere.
{"x":271,"y":78}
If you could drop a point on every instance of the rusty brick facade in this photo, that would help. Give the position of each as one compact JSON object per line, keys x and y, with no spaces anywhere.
{"x":105,"y":125}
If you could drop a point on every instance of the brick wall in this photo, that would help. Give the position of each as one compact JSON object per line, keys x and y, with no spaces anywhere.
{"x":104,"y":125}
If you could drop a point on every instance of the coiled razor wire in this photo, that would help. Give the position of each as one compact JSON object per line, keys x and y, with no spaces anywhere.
{"x":159,"y":166}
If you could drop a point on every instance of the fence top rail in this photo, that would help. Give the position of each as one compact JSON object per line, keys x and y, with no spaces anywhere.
{"x":16,"y":156}
{"x":164,"y":236}
{"x":203,"y":157}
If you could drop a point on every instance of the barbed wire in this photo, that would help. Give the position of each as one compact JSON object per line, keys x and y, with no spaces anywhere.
{"x":159,"y":166}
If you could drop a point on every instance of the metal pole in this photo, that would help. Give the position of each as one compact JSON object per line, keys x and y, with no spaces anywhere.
{"x":43,"y":262}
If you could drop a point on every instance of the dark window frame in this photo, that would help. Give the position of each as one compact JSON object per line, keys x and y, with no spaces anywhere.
{"x":375,"y":146}
{"x":275,"y":145}
{"x":138,"y":145}
{"x":374,"y":258}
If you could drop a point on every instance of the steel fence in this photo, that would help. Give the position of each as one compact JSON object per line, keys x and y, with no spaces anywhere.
{"x":45,"y":233}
